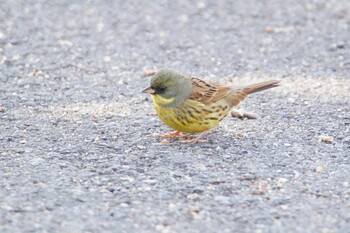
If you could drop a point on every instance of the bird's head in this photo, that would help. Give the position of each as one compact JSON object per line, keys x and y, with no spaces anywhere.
{"x":169,"y":87}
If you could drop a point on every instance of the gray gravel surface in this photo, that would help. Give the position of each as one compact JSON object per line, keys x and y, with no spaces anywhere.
{"x":79,"y":150}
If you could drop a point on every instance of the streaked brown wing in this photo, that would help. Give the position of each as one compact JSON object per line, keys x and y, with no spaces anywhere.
{"x":206,"y":92}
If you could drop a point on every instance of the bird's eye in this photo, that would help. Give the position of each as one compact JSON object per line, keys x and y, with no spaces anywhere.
{"x":160,"y":89}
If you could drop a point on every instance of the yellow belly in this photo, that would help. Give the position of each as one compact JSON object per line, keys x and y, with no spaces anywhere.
{"x":192,"y":116}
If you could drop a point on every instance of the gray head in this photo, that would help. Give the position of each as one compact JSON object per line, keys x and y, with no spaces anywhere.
{"x":170,"y":84}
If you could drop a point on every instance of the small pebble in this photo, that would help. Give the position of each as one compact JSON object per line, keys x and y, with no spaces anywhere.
{"x":243,"y":115}
{"x":165,"y":142}
{"x":193,"y":196}
{"x":239,"y":135}
{"x":147,"y":73}
{"x":268,"y":29}
{"x":141,"y":147}
{"x":150,"y":181}
{"x":283,"y":207}
{"x":280,"y":182}
{"x":107,"y":59}
{"x":201,"y":5}
{"x":97,"y":139}
{"x":325,"y":138}
{"x":124,"y":205}
{"x":16,"y":57}
{"x":319,"y":169}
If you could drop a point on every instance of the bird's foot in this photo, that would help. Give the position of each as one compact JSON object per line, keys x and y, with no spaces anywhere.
{"x":196,"y":139}
{"x":174,"y":135}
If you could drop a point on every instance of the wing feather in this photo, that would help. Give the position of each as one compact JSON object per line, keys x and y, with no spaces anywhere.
{"x":206,"y":92}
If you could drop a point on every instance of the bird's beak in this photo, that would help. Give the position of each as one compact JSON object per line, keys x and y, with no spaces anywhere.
{"x":149,"y":90}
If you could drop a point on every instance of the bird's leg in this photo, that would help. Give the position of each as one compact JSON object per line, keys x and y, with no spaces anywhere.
{"x":196,"y":139}
{"x":174,"y":135}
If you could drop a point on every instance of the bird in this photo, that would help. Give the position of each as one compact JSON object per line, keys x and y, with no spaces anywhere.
{"x":192,"y":105}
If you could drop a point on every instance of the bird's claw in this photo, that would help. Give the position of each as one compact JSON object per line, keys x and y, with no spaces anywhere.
{"x":196,"y":139}
{"x":174,"y":135}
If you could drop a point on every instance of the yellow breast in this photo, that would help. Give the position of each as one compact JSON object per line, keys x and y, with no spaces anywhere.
{"x":191,"y":116}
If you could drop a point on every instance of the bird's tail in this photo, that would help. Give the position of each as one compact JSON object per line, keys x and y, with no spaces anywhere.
{"x":237,"y":95}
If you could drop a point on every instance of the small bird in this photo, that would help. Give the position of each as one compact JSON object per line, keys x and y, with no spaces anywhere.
{"x":192,"y":105}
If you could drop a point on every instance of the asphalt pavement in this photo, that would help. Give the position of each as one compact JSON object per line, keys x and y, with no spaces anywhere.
{"x":79,"y":145}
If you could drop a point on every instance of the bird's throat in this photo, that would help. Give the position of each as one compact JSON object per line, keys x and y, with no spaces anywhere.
{"x":165,"y":102}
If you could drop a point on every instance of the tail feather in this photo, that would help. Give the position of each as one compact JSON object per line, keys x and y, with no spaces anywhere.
{"x":260,"y":86}
{"x":236,"y":96}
